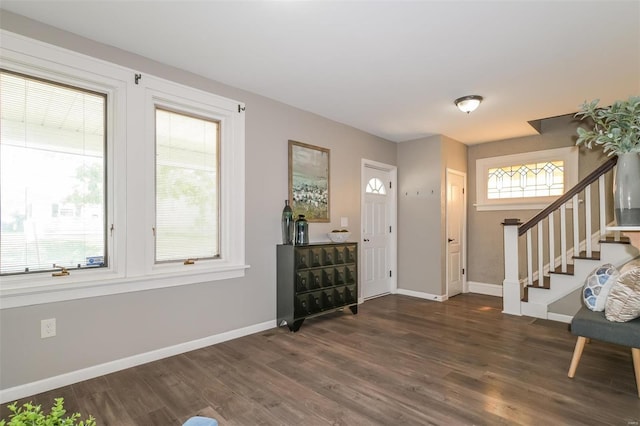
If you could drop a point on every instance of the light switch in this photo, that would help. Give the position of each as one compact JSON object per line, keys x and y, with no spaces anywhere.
{"x":344,"y":221}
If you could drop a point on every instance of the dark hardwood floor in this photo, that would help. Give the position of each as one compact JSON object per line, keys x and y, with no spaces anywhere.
{"x":401,"y":360}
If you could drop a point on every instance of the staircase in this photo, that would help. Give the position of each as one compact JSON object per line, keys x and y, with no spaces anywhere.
{"x":548,"y":258}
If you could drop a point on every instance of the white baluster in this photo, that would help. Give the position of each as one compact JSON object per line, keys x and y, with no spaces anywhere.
{"x":552,"y":244}
{"x":529,"y":259}
{"x":563,"y":237}
{"x":540,"y":256}
{"x":587,"y":219}
{"x":603,"y":211}
{"x":576,"y":232}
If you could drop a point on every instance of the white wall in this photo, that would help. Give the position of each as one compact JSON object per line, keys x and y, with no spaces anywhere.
{"x":105,"y":329}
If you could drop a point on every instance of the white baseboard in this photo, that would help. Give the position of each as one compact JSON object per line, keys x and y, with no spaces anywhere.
{"x":559,"y":317}
{"x":484,"y":288}
{"x":421,"y":295}
{"x":44,"y":385}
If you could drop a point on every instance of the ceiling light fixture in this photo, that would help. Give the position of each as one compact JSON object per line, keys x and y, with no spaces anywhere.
{"x":468,"y":103}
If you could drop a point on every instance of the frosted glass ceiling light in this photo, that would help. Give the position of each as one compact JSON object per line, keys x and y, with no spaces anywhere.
{"x":468,"y":103}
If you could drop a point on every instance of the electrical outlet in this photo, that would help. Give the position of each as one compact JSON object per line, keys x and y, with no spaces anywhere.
{"x":47,"y":328}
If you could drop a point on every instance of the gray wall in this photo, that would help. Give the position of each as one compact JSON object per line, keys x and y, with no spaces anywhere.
{"x":485,"y":236}
{"x":422,"y":165}
{"x":103,"y":329}
{"x":419,"y":215}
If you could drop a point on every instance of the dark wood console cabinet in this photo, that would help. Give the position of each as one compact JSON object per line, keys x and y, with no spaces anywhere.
{"x":316,"y":279}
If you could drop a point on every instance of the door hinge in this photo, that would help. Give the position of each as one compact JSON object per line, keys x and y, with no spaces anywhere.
{"x":241,"y":108}
{"x":389,"y":184}
{"x":390,"y":274}
{"x":462,"y":271}
{"x":389,"y":229}
{"x":463,"y":190}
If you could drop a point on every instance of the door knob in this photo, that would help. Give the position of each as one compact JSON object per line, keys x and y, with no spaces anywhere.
{"x":450,"y":239}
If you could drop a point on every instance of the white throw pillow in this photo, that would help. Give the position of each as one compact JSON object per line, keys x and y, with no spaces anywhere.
{"x":623,"y":303}
{"x":598,"y":285}
{"x":635,"y":263}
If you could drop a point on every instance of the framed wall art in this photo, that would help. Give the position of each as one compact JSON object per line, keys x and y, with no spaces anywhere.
{"x":309,"y":181}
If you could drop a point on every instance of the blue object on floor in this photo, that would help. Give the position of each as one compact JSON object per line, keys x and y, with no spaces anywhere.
{"x":200,"y":421}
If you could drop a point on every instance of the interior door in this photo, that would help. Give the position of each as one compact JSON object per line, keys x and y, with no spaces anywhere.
{"x":376,"y":235}
{"x":455,"y":232}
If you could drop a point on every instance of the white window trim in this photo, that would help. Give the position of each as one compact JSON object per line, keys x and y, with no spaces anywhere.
{"x":569,"y":155}
{"x":130,"y":203}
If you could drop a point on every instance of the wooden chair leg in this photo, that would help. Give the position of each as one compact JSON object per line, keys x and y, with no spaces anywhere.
{"x":577,"y":353}
{"x":635,"y":354}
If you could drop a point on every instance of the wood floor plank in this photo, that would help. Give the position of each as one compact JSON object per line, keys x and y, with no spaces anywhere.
{"x":401,"y":361}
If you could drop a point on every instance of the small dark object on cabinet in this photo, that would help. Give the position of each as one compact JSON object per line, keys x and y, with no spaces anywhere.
{"x":315,"y":279}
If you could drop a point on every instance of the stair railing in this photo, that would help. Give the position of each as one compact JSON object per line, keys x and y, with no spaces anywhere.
{"x":545,"y":243}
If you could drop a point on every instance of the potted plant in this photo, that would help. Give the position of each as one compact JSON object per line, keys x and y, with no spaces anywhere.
{"x":29,"y":414}
{"x":617,"y":129}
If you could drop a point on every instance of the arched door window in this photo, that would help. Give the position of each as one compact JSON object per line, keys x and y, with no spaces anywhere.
{"x":375,"y":186}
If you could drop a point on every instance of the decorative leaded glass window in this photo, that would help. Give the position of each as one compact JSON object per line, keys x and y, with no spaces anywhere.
{"x":531,"y":180}
{"x":526,"y":180}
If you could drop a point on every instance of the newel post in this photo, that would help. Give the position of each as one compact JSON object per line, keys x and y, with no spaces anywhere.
{"x":511,"y":288}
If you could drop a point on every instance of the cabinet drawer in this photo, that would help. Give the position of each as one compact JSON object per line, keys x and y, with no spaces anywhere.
{"x":338,"y":296}
{"x":315,"y":279}
{"x":339,"y":276}
{"x":350,"y":254}
{"x":302,"y":258}
{"x":350,"y":295}
{"x":328,"y":254}
{"x":326,"y":298}
{"x":302,"y":281}
{"x":301,"y":306}
{"x":315,"y":302}
{"x":328,"y":279}
{"x":350,"y":274}
{"x":338,"y":255}
{"x":315,"y":256}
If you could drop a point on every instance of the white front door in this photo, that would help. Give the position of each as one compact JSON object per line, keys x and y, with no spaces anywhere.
{"x":377,"y":188}
{"x":455,"y":231}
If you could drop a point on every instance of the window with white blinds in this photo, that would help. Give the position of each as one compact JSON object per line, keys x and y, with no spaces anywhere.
{"x":117,"y":176}
{"x":187,"y":192}
{"x":52,"y":176}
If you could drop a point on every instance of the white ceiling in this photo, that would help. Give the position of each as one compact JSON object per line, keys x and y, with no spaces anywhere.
{"x":390,"y":68}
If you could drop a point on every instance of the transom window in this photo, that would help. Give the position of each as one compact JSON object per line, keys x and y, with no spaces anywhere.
{"x":52,"y":150}
{"x":375,"y":186}
{"x":529,"y":180}
{"x":526,"y":180}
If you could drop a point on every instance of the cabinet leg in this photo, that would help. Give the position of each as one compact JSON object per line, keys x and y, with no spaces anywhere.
{"x":296,"y":325}
{"x":354,"y":309}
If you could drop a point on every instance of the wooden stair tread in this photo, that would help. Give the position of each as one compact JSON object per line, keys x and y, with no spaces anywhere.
{"x":546,"y":283}
{"x":623,"y":240}
{"x":558,"y":270}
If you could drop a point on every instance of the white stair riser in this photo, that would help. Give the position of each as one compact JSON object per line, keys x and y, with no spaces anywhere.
{"x":617,"y":254}
{"x":544,"y":296}
{"x":535,"y":310}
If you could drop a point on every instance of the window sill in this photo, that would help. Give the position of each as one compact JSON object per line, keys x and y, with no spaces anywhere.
{"x":516,"y":206}
{"x":35,"y":292}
